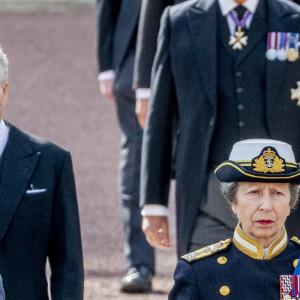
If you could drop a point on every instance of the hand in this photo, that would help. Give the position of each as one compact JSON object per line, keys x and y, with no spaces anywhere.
{"x":141,"y":111}
{"x":156,"y":229}
{"x":106,"y":88}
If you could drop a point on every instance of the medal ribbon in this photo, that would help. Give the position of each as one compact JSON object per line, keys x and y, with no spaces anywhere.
{"x":283,"y":40}
{"x":241,"y":23}
{"x":296,"y":279}
{"x":272,"y":40}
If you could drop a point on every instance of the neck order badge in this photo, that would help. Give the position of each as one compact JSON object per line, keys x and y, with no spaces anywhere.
{"x":239,"y":40}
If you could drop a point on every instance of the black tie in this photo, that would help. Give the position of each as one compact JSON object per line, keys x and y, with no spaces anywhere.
{"x":240,"y":10}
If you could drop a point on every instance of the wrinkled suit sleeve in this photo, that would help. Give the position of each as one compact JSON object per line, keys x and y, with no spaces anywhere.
{"x":157,"y":139}
{"x":65,"y":250}
{"x":151,"y":13}
{"x":106,"y":17}
{"x":185,"y":287}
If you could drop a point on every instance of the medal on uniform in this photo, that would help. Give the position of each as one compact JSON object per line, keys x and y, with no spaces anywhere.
{"x":293,"y":47}
{"x":281,"y":46}
{"x":290,"y":284}
{"x":271,"y":53}
{"x":239,"y":40}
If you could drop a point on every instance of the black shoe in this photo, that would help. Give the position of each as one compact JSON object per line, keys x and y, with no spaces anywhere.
{"x":137,"y":280}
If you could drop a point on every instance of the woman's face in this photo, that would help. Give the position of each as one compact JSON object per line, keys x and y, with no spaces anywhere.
{"x":262,"y":209}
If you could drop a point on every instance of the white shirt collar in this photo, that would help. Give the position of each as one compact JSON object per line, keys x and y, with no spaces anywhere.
{"x":228,"y":5}
{"x":3,"y":136}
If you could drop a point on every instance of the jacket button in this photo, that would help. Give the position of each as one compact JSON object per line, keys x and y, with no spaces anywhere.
{"x":224,"y":290}
{"x":295,"y":263}
{"x":222,"y":260}
{"x":239,"y":90}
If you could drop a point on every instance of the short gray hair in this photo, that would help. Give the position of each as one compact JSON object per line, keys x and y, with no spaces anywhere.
{"x":229,"y":190}
{"x":3,"y":67}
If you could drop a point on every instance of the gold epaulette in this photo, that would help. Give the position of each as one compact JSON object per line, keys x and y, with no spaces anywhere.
{"x":295,"y":240}
{"x":206,"y":251}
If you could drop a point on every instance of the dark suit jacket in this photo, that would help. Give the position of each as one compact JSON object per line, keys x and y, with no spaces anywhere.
{"x":185,"y":78}
{"x":34,"y":227}
{"x":117,"y":22}
{"x":151,"y":13}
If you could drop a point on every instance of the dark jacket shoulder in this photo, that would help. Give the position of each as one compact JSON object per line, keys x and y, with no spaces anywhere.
{"x":25,"y":142}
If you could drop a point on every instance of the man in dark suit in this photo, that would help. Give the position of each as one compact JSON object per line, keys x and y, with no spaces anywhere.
{"x":39,"y":215}
{"x":219,"y":95}
{"x":117,"y":22}
{"x":151,"y":13}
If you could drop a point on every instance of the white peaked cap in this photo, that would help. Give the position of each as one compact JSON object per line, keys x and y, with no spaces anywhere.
{"x":248,"y":149}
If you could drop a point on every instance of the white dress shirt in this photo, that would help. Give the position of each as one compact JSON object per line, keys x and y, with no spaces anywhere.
{"x":226,"y":7}
{"x":3,"y":136}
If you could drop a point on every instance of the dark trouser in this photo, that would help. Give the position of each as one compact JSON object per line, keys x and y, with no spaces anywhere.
{"x":136,"y":248}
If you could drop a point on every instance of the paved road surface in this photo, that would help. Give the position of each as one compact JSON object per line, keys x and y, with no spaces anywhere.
{"x":54,"y":94}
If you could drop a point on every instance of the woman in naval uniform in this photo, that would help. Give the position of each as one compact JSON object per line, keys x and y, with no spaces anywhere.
{"x":261,"y":182}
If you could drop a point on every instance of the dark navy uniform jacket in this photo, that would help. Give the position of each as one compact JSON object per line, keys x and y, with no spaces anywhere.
{"x":229,"y":270}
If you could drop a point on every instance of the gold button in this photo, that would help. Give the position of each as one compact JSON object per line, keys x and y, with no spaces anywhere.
{"x":222,"y":260}
{"x":295,"y":263}
{"x":224,"y":290}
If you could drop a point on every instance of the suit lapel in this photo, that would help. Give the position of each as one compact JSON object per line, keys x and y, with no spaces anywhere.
{"x":256,"y":32}
{"x":19,"y":163}
{"x":203,"y":25}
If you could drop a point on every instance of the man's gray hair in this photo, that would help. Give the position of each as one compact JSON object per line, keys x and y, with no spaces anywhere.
{"x":3,"y":67}
{"x":229,"y":190}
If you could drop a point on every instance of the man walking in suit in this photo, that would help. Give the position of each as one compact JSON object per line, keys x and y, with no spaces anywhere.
{"x":151,"y":13}
{"x":39,"y":216}
{"x":213,"y":73}
{"x":117,"y":22}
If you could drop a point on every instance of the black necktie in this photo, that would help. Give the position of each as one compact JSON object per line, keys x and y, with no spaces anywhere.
{"x":240,"y":10}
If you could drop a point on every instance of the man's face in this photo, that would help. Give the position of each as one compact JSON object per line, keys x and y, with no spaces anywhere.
{"x":3,"y":97}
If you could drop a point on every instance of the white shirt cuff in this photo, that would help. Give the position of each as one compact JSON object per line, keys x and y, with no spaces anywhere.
{"x":106,"y":75}
{"x":142,"y":94}
{"x":154,"y":210}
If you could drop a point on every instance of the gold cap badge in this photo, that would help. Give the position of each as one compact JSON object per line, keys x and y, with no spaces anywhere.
{"x":268,"y":162}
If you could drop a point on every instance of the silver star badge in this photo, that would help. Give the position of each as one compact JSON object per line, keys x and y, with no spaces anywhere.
{"x":296,"y":93}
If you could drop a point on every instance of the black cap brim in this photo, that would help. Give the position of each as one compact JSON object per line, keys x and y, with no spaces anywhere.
{"x":230,"y":171}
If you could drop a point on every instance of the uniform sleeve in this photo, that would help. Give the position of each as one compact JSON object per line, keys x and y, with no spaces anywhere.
{"x":65,"y":250}
{"x":185,"y":287}
{"x":157,"y":139}
{"x":106,"y":17}
{"x":151,"y":13}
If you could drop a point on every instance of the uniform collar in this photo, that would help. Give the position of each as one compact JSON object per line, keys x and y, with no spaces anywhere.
{"x":254,"y":249}
{"x":228,"y":5}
